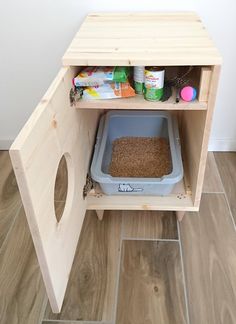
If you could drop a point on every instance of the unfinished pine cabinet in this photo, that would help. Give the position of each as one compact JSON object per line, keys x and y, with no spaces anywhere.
{"x":57,"y":129}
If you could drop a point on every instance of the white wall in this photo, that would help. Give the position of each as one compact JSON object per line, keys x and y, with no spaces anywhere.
{"x":35,"y":34}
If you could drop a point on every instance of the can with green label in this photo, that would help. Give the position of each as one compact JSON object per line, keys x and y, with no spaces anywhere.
{"x":139,"y":79}
{"x":154,"y":83}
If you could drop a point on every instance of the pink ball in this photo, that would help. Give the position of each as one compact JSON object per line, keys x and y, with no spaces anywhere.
{"x":188,"y":93}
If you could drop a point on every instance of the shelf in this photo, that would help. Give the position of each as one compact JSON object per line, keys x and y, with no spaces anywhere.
{"x":138,"y":102}
{"x":179,"y":199}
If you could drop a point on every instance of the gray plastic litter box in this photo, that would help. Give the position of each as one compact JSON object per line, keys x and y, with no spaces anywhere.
{"x":116,"y":124}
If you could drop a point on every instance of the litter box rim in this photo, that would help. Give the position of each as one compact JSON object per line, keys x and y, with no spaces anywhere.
{"x":173,"y":132}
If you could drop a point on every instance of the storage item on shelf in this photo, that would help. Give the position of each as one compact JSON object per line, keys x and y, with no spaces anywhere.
{"x":180,"y":81}
{"x":98,"y":75}
{"x":139,"y":79}
{"x":109,"y":91}
{"x":167,"y":91}
{"x":154,"y":83}
{"x":117,"y":124}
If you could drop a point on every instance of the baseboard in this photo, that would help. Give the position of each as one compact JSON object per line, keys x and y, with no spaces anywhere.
{"x":5,"y":144}
{"x":226,"y":144}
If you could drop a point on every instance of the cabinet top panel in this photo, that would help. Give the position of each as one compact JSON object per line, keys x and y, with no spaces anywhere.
{"x":168,"y":38}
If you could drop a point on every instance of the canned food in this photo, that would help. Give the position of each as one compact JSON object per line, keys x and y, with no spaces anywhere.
{"x":154,"y":83}
{"x":139,"y":79}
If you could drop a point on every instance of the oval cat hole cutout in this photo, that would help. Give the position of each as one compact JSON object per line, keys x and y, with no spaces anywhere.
{"x":61,"y":188}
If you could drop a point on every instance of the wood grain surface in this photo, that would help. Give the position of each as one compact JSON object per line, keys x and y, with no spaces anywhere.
{"x":212,"y":180}
{"x":10,"y":202}
{"x":209,"y":254}
{"x":226,"y":162}
{"x":52,"y":130}
{"x":174,"y":38}
{"x":151,"y":284}
{"x":138,"y":102}
{"x":90,"y":294}
{"x":21,"y":287}
{"x":149,"y":225}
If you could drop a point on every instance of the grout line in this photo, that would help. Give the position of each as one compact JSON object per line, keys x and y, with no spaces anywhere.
{"x":213,"y":192}
{"x":230,"y":211}
{"x":183,"y":275}
{"x":218,"y":172}
{"x":148,"y":239}
{"x":75,"y":321}
{"x":226,"y":197}
{"x":43,"y":309}
{"x":118,"y":272}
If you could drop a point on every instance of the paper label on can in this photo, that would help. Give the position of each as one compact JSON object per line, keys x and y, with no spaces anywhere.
{"x":139,"y":74}
{"x":154,"y":79}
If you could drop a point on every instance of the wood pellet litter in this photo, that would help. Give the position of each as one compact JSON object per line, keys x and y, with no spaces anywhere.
{"x":140,"y":157}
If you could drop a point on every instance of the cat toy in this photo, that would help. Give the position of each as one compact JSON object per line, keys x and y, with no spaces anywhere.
{"x":188,"y":93}
{"x":177,"y":82}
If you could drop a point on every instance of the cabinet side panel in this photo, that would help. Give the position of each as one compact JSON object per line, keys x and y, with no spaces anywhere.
{"x":195,"y":129}
{"x":192,"y":131}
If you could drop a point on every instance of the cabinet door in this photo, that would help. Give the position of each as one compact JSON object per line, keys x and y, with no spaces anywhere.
{"x":53,"y":130}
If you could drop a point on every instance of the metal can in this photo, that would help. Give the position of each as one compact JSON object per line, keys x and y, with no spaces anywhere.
{"x":139,"y":79}
{"x":154,"y":83}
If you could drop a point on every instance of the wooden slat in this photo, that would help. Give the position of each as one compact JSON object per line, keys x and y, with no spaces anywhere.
{"x":148,"y":14}
{"x":143,"y":59}
{"x":141,"y":203}
{"x":86,"y":45}
{"x":195,"y":132}
{"x":142,"y":39}
{"x":177,"y":200}
{"x":192,"y":132}
{"x":142,"y":31}
{"x":149,"y":43}
{"x":206,"y":134}
{"x":205,"y":82}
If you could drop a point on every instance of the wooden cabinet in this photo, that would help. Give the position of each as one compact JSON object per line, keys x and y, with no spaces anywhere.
{"x":56,"y":128}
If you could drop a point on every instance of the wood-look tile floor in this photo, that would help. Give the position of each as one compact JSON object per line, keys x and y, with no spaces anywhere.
{"x":133,"y":267}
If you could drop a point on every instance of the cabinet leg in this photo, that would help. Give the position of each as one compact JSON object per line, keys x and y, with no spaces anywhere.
{"x":180,"y":215}
{"x":100,"y":214}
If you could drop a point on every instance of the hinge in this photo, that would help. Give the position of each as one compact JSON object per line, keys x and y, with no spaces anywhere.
{"x":75,"y":95}
{"x":89,"y":185}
